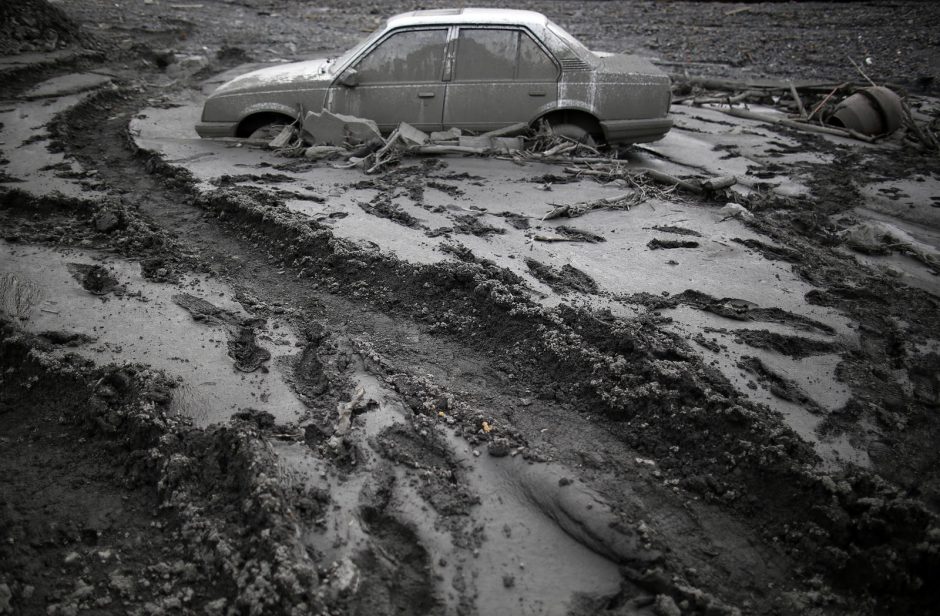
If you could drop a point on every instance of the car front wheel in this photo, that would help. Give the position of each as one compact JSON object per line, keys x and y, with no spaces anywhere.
{"x":268,"y":131}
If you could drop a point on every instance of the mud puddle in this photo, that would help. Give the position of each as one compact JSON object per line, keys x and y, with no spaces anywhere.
{"x":134,"y":320}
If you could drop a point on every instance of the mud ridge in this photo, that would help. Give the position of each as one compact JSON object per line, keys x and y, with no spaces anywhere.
{"x":107,"y":224}
{"x":796,"y":347}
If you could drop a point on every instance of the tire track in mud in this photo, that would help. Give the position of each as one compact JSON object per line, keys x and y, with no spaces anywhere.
{"x":633,"y":371}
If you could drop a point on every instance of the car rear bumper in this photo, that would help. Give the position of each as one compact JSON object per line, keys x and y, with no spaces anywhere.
{"x":635,"y":131}
{"x":216,"y":130}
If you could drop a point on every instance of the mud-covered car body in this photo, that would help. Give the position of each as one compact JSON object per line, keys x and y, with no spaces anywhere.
{"x":474,"y":69}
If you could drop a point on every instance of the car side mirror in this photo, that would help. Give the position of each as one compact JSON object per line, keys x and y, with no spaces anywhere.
{"x":349,"y":78}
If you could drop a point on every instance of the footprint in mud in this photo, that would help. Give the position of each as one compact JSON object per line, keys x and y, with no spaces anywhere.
{"x":394,"y":569}
{"x":309,"y":379}
{"x":95,"y":279}
{"x":18,"y":295}
{"x":442,"y":486}
{"x":244,"y":349}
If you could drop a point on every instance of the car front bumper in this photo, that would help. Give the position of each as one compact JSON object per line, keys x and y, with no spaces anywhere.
{"x":216,"y":130}
{"x":636,"y":131}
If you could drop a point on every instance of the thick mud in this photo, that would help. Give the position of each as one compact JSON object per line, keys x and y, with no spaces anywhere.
{"x":265,"y":385}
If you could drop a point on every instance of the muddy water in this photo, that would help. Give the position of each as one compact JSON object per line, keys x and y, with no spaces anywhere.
{"x":145,"y":325}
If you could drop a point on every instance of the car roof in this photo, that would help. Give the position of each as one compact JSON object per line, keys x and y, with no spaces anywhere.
{"x":467,"y":16}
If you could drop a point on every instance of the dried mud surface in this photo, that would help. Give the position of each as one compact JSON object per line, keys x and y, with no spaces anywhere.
{"x":414,"y":377}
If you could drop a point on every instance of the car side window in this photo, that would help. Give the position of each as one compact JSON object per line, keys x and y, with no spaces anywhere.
{"x":485,"y":54}
{"x":534,"y":63}
{"x":413,"y":56}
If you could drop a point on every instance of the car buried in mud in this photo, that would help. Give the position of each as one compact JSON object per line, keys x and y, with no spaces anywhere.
{"x":473,"y":69}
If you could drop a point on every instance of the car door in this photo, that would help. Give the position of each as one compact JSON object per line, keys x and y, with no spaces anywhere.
{"x":398,"y":80}
{"x":500,"y":76}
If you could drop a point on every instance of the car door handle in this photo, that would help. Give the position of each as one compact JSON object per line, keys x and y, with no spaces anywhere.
{"x":425,"y":94}
{"x":536,"y":93}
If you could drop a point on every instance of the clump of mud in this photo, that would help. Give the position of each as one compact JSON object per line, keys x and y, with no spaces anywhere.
{"x":665,"y":244}
{"x":564,"y":279}
{"x":95,"y":279}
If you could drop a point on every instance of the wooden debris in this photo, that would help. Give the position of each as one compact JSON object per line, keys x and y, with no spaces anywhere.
{"x":283,"y":139}
{"x":508,"y":131}
{"x":803,"y":126}
{"x":799,"y":101}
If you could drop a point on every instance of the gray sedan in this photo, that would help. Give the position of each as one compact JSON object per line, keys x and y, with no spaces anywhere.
{"x":474,"y":69}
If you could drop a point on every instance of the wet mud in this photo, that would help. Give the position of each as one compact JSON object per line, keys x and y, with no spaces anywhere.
{"x":481,"y":430}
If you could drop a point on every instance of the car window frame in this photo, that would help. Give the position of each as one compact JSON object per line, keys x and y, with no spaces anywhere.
{"x":353,"y":62}
{"x":450,"y":64}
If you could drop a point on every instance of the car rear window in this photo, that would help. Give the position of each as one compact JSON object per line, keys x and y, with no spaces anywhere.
{"x":491,"y":54}
{"x":412,"y":56}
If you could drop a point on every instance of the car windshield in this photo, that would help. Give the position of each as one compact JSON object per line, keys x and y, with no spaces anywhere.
{"x":575,"y":45}
{"x":352,"y":53}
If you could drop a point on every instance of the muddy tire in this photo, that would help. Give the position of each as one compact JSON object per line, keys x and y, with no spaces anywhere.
{"x":575,"y":132}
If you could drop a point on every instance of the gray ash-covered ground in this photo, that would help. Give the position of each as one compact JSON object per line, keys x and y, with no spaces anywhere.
{"x":446,"y":409}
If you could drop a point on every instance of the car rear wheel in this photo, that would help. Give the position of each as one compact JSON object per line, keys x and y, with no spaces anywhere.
{"x":575,"y":132}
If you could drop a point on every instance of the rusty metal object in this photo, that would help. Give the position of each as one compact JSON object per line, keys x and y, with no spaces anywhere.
{"x":872,"y":111}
